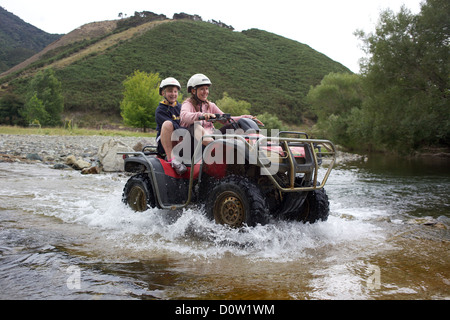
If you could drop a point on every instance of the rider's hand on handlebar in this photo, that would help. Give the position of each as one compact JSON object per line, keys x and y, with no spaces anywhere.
{"x":207,"y":116}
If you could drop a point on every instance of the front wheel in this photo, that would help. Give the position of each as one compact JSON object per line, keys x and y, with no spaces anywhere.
{"x":316,"y":207}
{"x":235,"y":201}
{"x":138,"y":193}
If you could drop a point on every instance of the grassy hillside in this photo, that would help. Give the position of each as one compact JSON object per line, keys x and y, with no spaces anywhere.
{"x":273,"y":73}
{"x":19,"y":40}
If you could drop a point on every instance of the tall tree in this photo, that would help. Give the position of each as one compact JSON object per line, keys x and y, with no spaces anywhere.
{"x":406,"y":77}
{"x":141,"y":98}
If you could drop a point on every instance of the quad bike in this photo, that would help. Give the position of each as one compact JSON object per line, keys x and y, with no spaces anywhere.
{"x":244,"y":178}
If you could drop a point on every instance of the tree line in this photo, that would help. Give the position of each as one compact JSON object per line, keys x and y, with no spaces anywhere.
{"x":399,"y":102}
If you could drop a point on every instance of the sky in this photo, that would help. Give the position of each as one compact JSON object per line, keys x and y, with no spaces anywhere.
{"x":327,"y":26}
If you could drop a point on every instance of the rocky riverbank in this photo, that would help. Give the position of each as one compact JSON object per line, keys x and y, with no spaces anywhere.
{"x":82,"y":152}
{"x":78,"y":152}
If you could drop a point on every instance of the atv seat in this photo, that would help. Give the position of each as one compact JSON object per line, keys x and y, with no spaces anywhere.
{"x":248,"y":125}
{"x":153,"y":151}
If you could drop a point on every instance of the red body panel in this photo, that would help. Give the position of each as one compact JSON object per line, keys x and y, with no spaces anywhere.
{"x":219,"y":170}
{"x":169,"y":171}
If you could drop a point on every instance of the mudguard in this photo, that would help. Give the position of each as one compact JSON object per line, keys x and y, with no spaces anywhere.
{"x":170,"y":188}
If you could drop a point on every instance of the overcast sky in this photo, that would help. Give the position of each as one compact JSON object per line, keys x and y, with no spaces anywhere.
{"x":325,"y":25}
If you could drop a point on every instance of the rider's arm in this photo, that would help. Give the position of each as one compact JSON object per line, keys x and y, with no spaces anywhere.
{"x":215,"y":109}
{"x":188,"y":114}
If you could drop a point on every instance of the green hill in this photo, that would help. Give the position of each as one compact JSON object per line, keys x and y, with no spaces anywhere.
{"x":273,"y":73}
{"x":19,"y":40}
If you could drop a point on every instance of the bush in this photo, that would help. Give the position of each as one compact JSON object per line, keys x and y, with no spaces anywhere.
{"x":236,"y":108}
{"x":271,"y":122}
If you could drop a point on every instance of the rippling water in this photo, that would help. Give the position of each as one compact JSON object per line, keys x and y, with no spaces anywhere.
{"x":68,"y":236}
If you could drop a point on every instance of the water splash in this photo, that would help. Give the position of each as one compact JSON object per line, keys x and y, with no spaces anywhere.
{"x":191,"y":233}
{"x":95,"y":202}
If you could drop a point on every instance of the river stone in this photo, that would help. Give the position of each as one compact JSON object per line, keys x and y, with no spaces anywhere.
{"x":79,"y":164}
{"x":108,"y":157}
{"x":33,"y":156}
{"x":70,"y":160}
{"x":60,"y":166}
{"x":427,"y":221}
{"x":91,"y":170}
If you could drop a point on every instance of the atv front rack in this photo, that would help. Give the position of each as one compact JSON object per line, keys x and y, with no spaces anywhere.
{"x":319,"y":150}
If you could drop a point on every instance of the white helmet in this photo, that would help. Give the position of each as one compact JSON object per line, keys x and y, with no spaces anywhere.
{"x":167,"y":83}
{"x":198,"y":80}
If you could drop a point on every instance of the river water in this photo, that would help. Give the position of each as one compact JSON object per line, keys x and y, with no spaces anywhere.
{"x":64,"y":235}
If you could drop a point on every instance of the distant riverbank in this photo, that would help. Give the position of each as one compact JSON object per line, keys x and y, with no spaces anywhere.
{"x":110,"y":130}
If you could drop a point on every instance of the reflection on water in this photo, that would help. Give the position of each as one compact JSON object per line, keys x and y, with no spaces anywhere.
{"x":68,"y":236}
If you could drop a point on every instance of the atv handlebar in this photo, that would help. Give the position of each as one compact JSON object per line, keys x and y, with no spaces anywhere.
{"x":219,"y":117}
{"x":227,"y":117}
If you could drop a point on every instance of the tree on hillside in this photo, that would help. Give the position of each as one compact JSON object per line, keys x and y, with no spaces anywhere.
{"x":406,"y":78}
{"x":45,"y":102}
{"x":140,"y":100}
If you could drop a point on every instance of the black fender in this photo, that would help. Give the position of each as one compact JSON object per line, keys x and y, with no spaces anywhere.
{"x":168,"y":190}
{"x":138,"y":164}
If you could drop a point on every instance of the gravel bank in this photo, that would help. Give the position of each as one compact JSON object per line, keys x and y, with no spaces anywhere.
{"x":55,"y":149}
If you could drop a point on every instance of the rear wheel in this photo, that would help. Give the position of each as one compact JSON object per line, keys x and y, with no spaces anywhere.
{"x":235,"y":201}
{"x":138,"y":193}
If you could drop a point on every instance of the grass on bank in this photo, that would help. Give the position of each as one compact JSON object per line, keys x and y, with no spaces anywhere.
{"x":119,"y":132}
{"x":72,"y":132}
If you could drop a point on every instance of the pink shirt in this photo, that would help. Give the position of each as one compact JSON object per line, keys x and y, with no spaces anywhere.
{"x":189,"y":115}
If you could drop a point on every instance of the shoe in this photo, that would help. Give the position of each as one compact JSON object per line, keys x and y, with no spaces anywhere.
{"x":179,"y":168}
